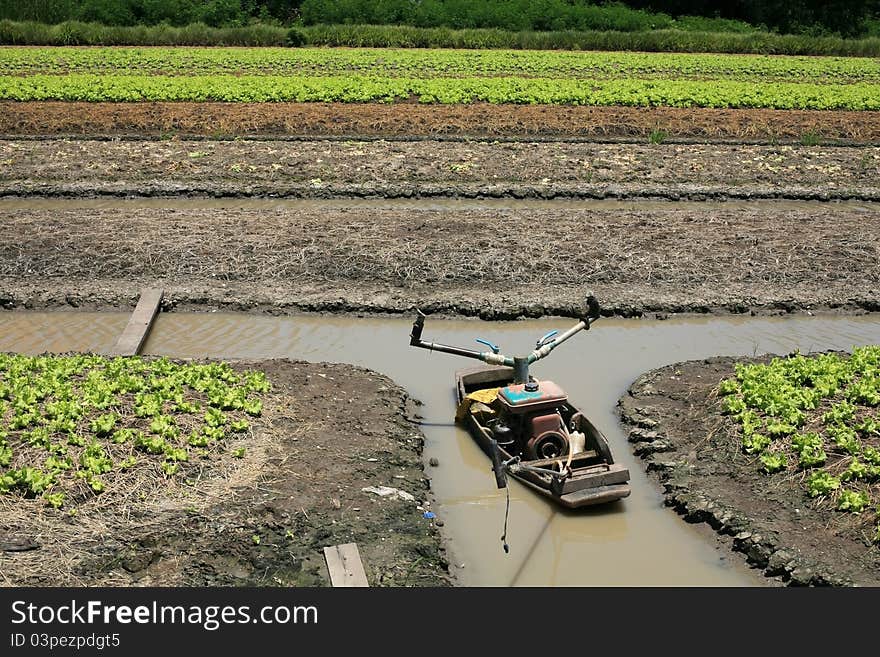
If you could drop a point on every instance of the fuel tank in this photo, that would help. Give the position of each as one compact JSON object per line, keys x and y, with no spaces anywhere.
{"x":517,"y":399}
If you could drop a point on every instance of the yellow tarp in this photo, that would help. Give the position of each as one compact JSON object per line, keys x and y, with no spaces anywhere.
{"x":485,"y":396}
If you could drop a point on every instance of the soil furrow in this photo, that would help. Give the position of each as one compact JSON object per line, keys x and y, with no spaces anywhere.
{"x":488,"y":262}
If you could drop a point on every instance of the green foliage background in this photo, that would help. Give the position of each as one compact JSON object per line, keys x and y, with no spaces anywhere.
{"x":843,"y":17}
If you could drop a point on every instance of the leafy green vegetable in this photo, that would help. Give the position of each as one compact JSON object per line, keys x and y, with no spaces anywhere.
{"x":55,"y":500}
{"x":214,"y":417}
{"x":755,"y":443}
{"x":239,"y":426}
{"x":774,"y":461}
{"x":856,"y":470}
{"x":810,"y":406}
{"x":103,"y":424}
{"x":854,"y":501}
{"x":822,"y":483}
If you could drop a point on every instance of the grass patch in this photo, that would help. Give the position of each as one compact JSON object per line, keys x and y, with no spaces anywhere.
{"x":657,"y":136}
{"x":810,"y":138}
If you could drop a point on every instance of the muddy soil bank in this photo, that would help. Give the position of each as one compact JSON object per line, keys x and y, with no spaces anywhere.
{"x":409,"y":119}
{"x":499,"y":305}
{"x":327,"y":431}
{"x":695,"y":455}
{"x":432,"y":168}
{"x":491,"y":263}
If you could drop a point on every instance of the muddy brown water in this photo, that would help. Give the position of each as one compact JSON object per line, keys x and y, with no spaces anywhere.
{"x":635,"y":542}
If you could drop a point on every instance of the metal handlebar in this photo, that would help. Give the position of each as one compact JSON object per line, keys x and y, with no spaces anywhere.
{"x":520,"y":364}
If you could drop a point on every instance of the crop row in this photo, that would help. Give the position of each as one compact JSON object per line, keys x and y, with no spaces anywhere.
{"x":356,"y":88}
{"x":70,"y":426}
{"x":818,"y":415}
{"x":432,"y":63}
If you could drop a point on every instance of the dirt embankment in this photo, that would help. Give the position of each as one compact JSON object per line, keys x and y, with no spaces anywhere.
{"x":696,"y":456}
{"x":408,"y":119}
{"x":327,"y":432}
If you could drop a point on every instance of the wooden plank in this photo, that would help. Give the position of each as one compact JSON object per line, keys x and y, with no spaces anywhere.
{"x":580,"y":456}
{"x":617,"y":474}
{"x":344,"y":565}
{"x":135,"y":332}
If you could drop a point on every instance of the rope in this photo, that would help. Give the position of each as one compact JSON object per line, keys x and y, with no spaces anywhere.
{"x":506,"y":514}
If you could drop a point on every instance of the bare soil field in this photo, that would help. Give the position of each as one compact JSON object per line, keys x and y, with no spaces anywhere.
{"x":431,"y":168}
{"x":493,"y":263}
{"x":696,"y":456}
{"x":327,"y":432}
{"x":411,"y":118}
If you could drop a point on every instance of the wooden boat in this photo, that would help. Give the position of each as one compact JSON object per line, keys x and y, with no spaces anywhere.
{"x":529,"y":428}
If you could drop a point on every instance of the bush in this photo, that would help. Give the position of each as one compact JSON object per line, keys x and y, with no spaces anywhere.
{"x":106,"y":12}
{"x":514,"y":15}
{"x":294,"y":38}
{"x":704,"y":24}
{"x":765,"y":43}
{"x":406,"y":36}
{"x":74,"y":33}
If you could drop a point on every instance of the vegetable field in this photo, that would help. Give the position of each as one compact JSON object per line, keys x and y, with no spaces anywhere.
{"x":394,"y":62}
{"x":73,"y":426}
{"x":816,"y":419}
{"x":437,"y":76}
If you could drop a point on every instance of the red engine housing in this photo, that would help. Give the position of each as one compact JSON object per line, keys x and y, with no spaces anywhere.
{"x":543,"y":423}
{"x":548,"y":437}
